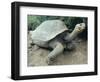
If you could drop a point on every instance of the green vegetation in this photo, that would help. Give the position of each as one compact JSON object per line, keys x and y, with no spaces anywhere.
{"x":34,"y":21}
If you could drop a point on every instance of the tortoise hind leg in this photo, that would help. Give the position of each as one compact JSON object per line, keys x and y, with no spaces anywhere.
{"x":57,"y":49}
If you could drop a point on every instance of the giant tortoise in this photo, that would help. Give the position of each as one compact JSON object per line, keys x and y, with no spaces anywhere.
{"x":54,"y":34}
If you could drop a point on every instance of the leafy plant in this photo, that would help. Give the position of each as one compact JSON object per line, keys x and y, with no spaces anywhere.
{"x":34,"y":20}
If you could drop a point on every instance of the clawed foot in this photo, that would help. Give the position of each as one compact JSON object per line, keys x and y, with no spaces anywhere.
{"x":50,"y":61}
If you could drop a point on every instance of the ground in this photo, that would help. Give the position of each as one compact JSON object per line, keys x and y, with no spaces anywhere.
{"x":37,"y":56}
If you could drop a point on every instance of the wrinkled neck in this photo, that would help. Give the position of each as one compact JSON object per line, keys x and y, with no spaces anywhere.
{"x":72,"y":35}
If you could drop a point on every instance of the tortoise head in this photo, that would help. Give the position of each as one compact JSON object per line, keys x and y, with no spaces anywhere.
{"x":80,"y":27}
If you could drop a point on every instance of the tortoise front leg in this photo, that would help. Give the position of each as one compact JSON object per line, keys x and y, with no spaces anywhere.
{"x":57,"y":49}
{"x":70,"y":45}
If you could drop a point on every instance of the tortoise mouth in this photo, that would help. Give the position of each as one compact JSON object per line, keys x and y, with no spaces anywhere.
{"x":80,"y":29}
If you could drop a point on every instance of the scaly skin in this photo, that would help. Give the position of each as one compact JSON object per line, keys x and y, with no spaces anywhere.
{"x":78,"y":29}
{"x":58,"y":48}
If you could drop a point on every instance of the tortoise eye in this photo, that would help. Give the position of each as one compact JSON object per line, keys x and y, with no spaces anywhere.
{"x":81,"y":24}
